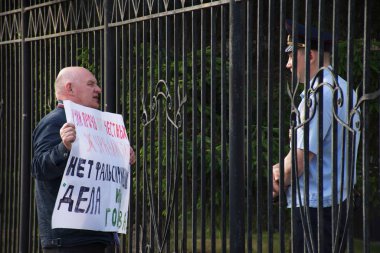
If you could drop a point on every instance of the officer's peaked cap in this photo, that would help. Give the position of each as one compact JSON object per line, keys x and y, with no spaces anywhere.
{"x":326,"y":37}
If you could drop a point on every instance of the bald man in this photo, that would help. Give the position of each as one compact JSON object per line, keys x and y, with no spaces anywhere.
{"x":52,"y":140}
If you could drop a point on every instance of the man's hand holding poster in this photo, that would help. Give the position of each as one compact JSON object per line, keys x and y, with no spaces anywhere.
{"x":94,"y":192}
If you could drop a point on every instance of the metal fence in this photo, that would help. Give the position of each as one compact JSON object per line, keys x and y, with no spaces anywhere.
{"x":202,"y":88}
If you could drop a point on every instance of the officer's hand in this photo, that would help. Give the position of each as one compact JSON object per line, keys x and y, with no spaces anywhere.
{"x":68,"y":134}
{"x":276,"y":180}
{"x":132,"y":157}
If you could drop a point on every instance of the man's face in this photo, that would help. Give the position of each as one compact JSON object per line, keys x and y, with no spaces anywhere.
{"x":300,"y":64}
{"x":86,"y":90}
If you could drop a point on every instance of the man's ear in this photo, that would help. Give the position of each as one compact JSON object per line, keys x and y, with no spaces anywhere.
{"x":68,"y":87}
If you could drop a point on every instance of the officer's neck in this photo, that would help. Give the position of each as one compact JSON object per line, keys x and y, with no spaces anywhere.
{"x":315,"y":68}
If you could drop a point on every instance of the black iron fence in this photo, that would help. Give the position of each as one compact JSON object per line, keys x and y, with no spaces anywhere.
{"x":202,"y":87}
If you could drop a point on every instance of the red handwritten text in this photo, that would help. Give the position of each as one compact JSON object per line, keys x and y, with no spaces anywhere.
{"x":77,"y":118}
{"x":89,"y":121}
{"x":115,"y":130}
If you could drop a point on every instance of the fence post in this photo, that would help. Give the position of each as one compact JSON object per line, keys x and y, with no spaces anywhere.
{"x":109,"y":59}
{"x":26,"y":135}
{"x":236,"y":125}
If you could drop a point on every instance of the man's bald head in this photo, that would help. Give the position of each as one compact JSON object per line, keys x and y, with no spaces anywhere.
{"x":68,"y":75}
{"x":79,"y":85}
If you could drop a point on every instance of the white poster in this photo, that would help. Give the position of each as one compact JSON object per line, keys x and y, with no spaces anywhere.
{"x":94,"y":192}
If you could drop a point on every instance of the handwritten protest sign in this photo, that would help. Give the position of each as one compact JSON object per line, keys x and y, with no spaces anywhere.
{"x":94,"y":192}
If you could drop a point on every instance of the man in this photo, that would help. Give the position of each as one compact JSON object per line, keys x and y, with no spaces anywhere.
{"x":52,"y":140}
{"x":326,"y":132}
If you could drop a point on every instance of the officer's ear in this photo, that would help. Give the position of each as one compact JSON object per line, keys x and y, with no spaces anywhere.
{"x":313,"y":56}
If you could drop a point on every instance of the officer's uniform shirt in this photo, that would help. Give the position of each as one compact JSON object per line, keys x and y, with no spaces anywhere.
{"x":328,"y":118}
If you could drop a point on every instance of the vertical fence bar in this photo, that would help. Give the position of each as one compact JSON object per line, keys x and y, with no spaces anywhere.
{"x":203,"y":132}
{"x":44,"y":75}
{"x":17,"y":135}
{"x":31,"y":204}
{"x":26,"y":135}
{"x":346,"y":151}
{"x":89,"y":44}
{"x":14,"y":139}
{"x":2,"y":139}
{"x":184,"y":137}
{"x":125,"y":117}
{"x":102,"y":70}
{"x":37,"y":117}
{"x":334,"y":176}
{"x":32,"y":215}
{"x":71,"y":56}
{"x":194,"y":120}
{"x":236,"y":123}
{"x":124,"y":75}
{"x":175,"y":156}
{"x":18,"y":161}
{"x":94,"y":41}
{"x":10,"y":166}
{"x":169,"y":129}
{"x":378,"y":143}
{"x":132,"y":213}
{"x":65,"y":57}
{"x":259,"y":122}
{"x":144,"y":209}
{"x":20,"y":147}
{"x":321,"y":241}
{"x":12,"y":134}
{"x":5,"y":142}
{"x":4,"y":160}
{"x":213,"y":127}
{"x":51,"y":75}
{"x":7,"y":231}
{"x":249,"y":159}
{"x":365,"y":127}
{"x":270,"y":124}
{"x":4,"y":106}
{"x":160,"y":204}
{"x":224,"y":125}
{"x":9,"y":145}
{"x":137,"y":134}
{"x":117,"y":59}
{"x":309,"y":241}
{"x":77,"y":44}
{"x":152,"y":130}
{"x":293,"y":122}
{"x":109,"y":59}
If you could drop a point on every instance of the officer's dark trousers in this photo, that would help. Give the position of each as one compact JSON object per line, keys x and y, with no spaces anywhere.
{"x":300,"y":245}
{"x":90,"y":248}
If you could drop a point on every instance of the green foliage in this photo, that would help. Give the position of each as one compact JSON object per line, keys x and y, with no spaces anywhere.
{"x":357,"y":63}
{"x":173,"y":71}
{"x":83,"y":58}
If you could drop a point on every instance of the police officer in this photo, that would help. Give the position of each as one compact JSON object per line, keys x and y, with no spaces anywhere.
{"x":302,"y":208}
